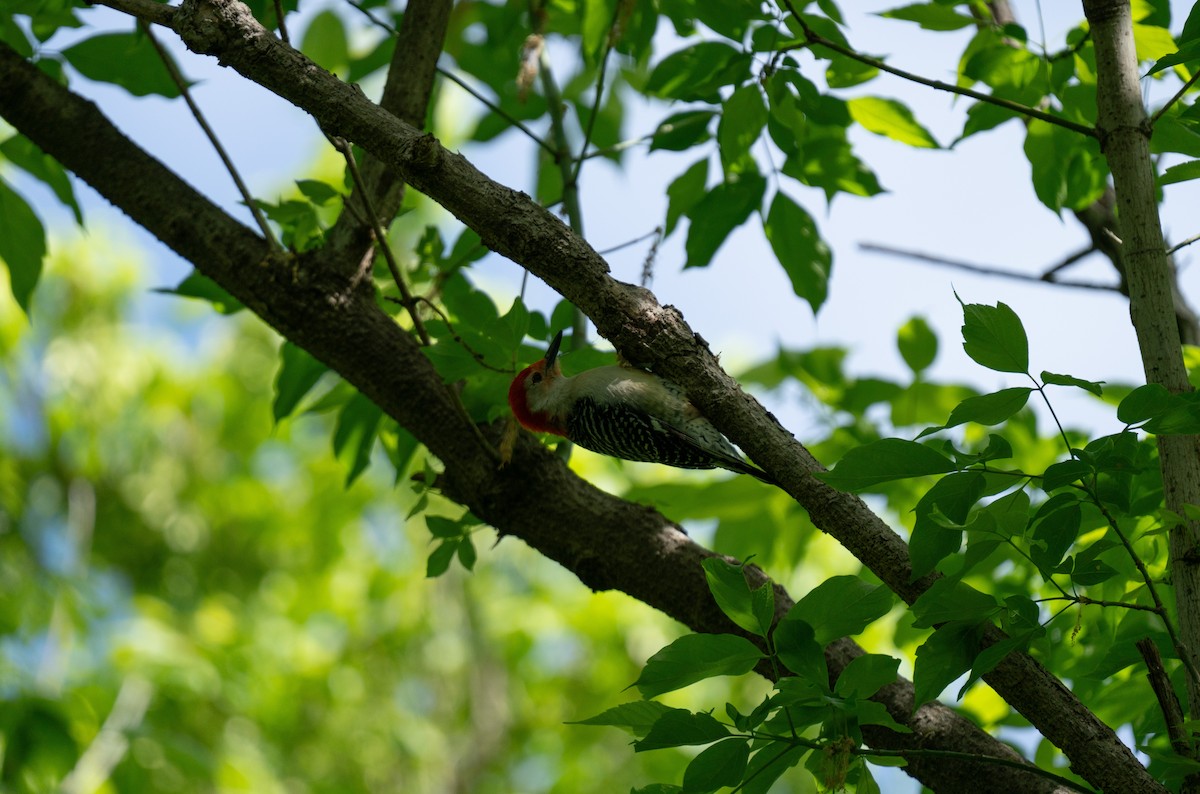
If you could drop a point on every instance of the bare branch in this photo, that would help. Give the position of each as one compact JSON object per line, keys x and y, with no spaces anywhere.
{"x":249,"y":200}
{"x":987,"y":270}
{"x":145,"y":10}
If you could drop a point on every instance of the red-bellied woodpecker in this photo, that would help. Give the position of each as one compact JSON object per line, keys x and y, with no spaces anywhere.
{"x":622,"y":412}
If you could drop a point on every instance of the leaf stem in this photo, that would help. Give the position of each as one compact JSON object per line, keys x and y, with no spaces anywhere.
{"x":1158,"y":114}
{"x":406,"y":297}
{"x":1176,"y":642}
{"x":181,"y":84}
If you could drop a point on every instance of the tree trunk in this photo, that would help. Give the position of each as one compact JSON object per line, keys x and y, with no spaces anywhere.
{"x":1125,"y":140}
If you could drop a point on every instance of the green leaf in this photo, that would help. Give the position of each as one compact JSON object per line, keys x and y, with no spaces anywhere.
{"x":727,"y":582}
{"x":1189,"y":53}
{"x":695,"y":73}
{"x":123,"y":59}
{"x":316,"y":191}
{"x":730,"y":18}
{"x":695,"y":657}
{"x":1051,"y":379}
{"x":597,"y":21}
{"x":866,"y":675}
{"x":948,"y":600}
{"x":883,"y":461}
{"x":1055,"y":527}
{"x":826,"y":160}
{"x":1182,"y":418}
{"x":356,"y":429}
{"x":678,"y":728}
{"x":871,"y":712}
{"x":1152,"y":42}
{"x":990,"y":409}
{"x":1067,"y":168}
{"x":298,"y":373}
{"x":717,"y":214}
{"x":846,"y":72}
{"x":324,"y":41}
{"x":841,"y":606}
{"x":931,"y":16}
{"x":637,"y":716}
{"x":1091,"y":572}
{"x":743,"y":117}
{"x":439,"y":559}
{"x":799,"y":248}
{"x":918,"y":344}
{"x":22,"y":245}
{"x":1144,"y":403}
{"x":1182,"y":172}
{"x":768,"y":765}
{"x":1063,"y":473}
{"x":944,"y":656}
{"x":891,"y":119}
{"x":723,"y":764}
{"x":994,"y":338}
{"x":681,"y":131}
{"x":952,"y":497}
{"x":798,"y":649}
{"x":201,"y":287}
{"x":466,"y":553}
{"x":989,"y":657}
{"x":442,"y":527}
{"x":685,"y":193}
{"x":22,"y":152}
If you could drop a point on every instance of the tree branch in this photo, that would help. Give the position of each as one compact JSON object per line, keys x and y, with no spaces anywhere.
{"x":985,"y":270}
{"x":1125,"y":141}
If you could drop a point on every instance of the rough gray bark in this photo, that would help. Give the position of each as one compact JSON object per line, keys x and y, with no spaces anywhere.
{"x":335,"y":318}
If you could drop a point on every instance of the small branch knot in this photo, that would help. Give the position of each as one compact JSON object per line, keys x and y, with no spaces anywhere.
{"x":427,"y":153}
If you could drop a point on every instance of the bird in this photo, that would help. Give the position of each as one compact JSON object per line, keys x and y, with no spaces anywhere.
{"x":623,"y":412}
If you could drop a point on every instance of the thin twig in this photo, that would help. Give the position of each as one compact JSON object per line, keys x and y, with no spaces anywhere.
{"x":1085,"y":601}
{"x":499,"y":111}
{"x":562,"y":158}
{"x":587,"y":134}
{"x":1158,"y":114}
{"x":283,"y":32}
{"x":455,"y":335}
{"x":811,"y":37}
{"x":181,"y":84}
{"x":1186,"y":242}
{"x":381,"y":240}
{"x":145,"y":10}
{"x":1168,"y":703}
{"x":620,"y":246}
{"x":982,"y":269}
{"x":1070,"y":260}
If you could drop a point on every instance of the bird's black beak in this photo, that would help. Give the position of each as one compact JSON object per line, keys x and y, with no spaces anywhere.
{"x":552,"y":351}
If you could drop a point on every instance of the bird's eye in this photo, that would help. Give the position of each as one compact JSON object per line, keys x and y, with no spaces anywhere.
{"x":536,"y":378}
